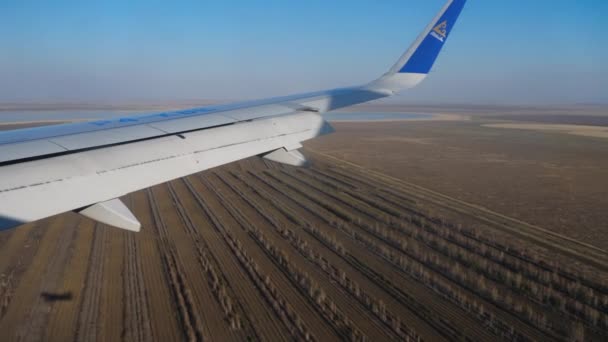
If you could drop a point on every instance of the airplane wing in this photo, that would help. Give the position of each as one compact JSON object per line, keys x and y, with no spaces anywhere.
{"x":86,"y":167}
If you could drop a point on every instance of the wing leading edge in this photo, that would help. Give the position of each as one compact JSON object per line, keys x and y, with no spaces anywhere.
{"x":85,"y":167}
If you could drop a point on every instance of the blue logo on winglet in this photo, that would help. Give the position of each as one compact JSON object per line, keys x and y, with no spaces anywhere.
{"x":425,"y":55}
{"x":440,"y":31}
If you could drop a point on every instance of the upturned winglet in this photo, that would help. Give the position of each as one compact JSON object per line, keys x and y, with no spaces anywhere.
{"x":415,"y":64}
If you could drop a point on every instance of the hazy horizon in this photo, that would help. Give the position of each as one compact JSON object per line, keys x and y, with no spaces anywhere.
{"x":164,"y":104}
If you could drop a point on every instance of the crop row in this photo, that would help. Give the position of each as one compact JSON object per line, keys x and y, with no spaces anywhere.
{"x":423,"y":264}
{"x":265,"y":285}
{"x":490,"y":322}
{"x":138,"y":324}
{"x":491,"y":263}
{"x":89,"y":306}
{"x":183,"y":295}
{"x":220,"y":288}
{"x":590,"y":258}
{"x":461,"y":275}
{"x":334,"y":245}
{"x":377,"y":307}
{"x":316,"y":293}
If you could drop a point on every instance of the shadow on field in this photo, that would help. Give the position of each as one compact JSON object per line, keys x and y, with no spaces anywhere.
{"x":57,"y":297}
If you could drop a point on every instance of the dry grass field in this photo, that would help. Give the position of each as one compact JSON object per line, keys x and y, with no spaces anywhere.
{"x":547,"y":178}
{"x":377,"y":241}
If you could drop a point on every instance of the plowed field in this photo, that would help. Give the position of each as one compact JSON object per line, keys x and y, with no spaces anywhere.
{"x":261,"y":251}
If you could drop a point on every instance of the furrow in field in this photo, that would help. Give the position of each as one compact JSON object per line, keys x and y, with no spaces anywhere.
{"x":400,"y":202}
{"x":257,"y":303}
{"x":376,"y":242}
{"x":192,"y":325}
{"x":540,"y":284}
{"x":324,"y":257}
{"x":161,"y":308}
{"x":306,"y":275}
{"x":424,"y":303}
{"x":227,"y":294}
{"x":262,"y":281}
{"x":111,"y":311}
{"x":412,"y":257}
{"x":315,"y":234}
{"x":585,"y":253}
{"x":64,"y":316}
{"x":88,"y":316}
{"x":195,"y":278}
{"x":135,"y":308}
{"x":488,"y":285}
{"x":222,"y":294}
{"x":298,"y":307}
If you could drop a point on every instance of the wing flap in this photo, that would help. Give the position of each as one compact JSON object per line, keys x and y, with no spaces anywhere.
{"x":191,"y":123}
{"x":106,"y":137}
{"x":258,"y":112}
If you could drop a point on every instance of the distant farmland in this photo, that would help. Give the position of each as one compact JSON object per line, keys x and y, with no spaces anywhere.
{"x":256,"y":250}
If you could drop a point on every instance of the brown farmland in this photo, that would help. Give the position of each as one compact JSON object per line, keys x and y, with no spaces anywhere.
{"x":256,"y":250}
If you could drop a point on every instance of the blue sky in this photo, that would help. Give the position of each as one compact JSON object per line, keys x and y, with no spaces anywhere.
{"x":500,"y":52}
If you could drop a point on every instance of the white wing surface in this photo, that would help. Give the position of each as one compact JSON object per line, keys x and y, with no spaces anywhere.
{"x":86,"y":167}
